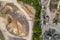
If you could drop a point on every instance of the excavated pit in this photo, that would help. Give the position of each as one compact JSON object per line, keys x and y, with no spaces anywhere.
{"x":17,"y":23}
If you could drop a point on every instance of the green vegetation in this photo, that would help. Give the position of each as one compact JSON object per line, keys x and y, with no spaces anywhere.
{"x":37,"y":29}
